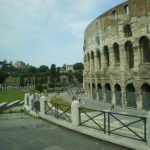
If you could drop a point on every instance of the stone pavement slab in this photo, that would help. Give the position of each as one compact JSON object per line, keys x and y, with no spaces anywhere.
{"x":36,"y":134}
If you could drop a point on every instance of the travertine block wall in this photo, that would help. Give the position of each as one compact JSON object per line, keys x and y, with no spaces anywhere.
{"x":126,"y":82}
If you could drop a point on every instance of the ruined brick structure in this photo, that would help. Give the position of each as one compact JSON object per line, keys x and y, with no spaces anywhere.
{"x":117,"y":56}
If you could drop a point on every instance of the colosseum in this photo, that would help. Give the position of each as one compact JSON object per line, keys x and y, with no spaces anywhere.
{"x":117,"y":56}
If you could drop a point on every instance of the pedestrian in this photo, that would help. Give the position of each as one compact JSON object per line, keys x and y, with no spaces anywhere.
{"x":79,"y":99}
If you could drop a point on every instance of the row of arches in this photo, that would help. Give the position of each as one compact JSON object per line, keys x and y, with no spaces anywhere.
{"x":106,"y":94}
{"x":144,"y":45}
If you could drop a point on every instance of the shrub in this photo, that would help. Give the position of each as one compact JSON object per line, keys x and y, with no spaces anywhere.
{"x":51,"y":85}
{"x":39,"y":87}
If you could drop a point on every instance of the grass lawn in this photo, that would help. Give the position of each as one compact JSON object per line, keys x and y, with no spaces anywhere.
{"x":62,"y":104}
{"x":11,"y":95}
{"x":59,"y":100}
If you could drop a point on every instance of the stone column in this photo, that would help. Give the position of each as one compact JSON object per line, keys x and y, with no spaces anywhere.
{"x":113,"y":96}
{"x":75,"y":113}
{"x":103,"y":61}
{"x":124,"y":98}
{"x":123,"y":58}
{"x":111,"y":57}
{"x":97,"y":95}
{"x":89,"y":90}
{"x":31,"y":99}
{"x":26,"y":98}
{"x":103,"y":93}
{"x":97,"y":63}
{"x":42,"y":104}
{"x":138,"y":98}
{"x":86,"y":64}
{"x":91,"y":64}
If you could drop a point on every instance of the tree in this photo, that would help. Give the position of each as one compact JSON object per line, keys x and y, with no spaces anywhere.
{"x":43,"y":68}
{"x":58,"y":74}
{"x":79,"y":76}
{"x":53,"y":73}
{"x":31,"y":69}
{"x":70,"y":76}
{"x":3,"y":76}
{"x":78,"y":66}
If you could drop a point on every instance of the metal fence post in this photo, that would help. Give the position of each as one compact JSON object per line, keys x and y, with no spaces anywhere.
{"x":148,"y":129}
{"x":104,"y":122}
{"x":108,"y":123}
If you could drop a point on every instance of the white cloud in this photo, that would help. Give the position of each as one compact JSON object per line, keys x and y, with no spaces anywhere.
{"x":77,"y":28}
{"x":28,"y":25}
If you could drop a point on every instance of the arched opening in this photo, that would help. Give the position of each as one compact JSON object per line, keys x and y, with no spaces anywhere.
{"x":93,"y":91}
{"x":98,"y":55}
{"x":116,"y":53}
{"x":131,"y":99}
{"x":127,"y":30}
{"x":108,"y":93}
{"x":145,"y":48}
{"x":106,"y":55}
{"x":99,"y":90}
{"x":129,"y":54}
{"x":92,"y":58}
{"x":118,"y":95}
{"x":146,"y":96}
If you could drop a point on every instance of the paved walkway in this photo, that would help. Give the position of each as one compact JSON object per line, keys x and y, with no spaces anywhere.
{"x":36,"y":134}
{"x":87,"y":102}
{"x":95,"y":105}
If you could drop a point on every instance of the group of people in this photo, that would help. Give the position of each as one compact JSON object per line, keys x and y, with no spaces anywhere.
{"x":74,"y":98}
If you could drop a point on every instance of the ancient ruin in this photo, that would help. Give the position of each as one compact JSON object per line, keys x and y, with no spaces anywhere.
{"x":117,"y":56}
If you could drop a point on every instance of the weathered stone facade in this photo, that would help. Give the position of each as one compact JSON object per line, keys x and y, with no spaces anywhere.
{"x":117,"y":56}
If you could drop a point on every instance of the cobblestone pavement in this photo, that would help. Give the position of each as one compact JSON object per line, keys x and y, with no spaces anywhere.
{"x":35,"y":134}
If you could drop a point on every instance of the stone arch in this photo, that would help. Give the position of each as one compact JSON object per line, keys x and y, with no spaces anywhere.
{"x":99,"y":91}
{"x":108,"y":93}
{"x":98,"y":55}
{"x":127,"y":30}
{"x":130,"y":94}
{"x":116,"y":52}
{"x":118,"y":95}
{"x":129,"y":54}
{"x":106,"y":55}
{"x":93,"y":91}
{"x":145,"y":48}
{"x":146,"y":96}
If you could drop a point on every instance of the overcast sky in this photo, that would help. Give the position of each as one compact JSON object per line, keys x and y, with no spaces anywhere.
{"x":42,"y":32}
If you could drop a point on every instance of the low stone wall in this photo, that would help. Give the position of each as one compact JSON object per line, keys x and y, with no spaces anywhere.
{"x":75,"y":121}
{"x":6,"y":88}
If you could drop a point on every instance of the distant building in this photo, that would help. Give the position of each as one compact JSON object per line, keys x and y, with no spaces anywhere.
{"x":69,"y":67}
{"x":19,"y":64}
